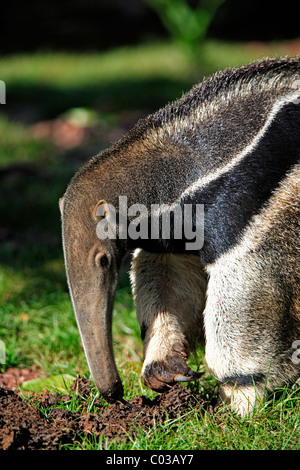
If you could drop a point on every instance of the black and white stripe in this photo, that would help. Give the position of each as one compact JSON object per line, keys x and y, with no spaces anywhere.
{"x":238,"y":191}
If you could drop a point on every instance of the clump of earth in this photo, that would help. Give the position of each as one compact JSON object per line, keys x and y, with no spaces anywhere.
{"x":24,"y":427}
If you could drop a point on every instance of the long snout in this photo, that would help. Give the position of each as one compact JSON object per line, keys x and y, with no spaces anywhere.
{"x":95,"y":331}
{"x":92,"y":283}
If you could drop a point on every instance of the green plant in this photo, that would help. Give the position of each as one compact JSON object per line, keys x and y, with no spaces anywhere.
{"x":185,"y":24}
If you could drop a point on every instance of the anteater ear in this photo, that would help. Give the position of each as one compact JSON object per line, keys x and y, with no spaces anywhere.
{"x":61,"y":205}
{"x":101,"y":210}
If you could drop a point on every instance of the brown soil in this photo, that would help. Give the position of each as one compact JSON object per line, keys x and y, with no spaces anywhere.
{"x":23,"y":425}
{"x":14,"y":377}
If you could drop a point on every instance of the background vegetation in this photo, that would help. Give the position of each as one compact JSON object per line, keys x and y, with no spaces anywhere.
{"x":62,"y":108}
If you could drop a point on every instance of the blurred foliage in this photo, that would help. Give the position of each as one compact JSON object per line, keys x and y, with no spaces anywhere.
{"x":187,"y":25}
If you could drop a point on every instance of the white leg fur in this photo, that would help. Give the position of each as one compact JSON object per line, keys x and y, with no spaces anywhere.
{"x":169,"y":292}
{"x":163,"y":336}
{"x":242,"y":399}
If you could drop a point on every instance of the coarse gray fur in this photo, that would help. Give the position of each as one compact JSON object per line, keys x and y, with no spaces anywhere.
{"x":232,"y":143}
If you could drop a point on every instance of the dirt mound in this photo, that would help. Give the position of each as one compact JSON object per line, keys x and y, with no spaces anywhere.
{"x":24,"y":426}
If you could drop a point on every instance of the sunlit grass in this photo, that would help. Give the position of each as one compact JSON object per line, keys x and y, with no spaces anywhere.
{"x":73,"y":69}
{"x":154,"y":59}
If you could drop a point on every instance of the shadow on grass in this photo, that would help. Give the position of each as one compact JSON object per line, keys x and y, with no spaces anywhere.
{"x":50,"y":101}
{"x":30,"y":233}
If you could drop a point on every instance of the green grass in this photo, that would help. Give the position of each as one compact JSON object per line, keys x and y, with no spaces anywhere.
{"x":37,"y":323}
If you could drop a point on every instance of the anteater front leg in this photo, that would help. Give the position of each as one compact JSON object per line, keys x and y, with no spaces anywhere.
{"x":169,"y":292}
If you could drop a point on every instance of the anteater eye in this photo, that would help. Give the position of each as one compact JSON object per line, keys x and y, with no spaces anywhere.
{"x":102,"y":260}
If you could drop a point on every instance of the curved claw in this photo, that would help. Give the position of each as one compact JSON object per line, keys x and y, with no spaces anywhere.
{"x":125,"y":402}
{"x":192,"y":375}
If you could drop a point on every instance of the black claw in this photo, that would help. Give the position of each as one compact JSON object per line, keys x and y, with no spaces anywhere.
{"x":191,"y":375}
{"x":195,"y":375}
{"x":125,"y":402}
